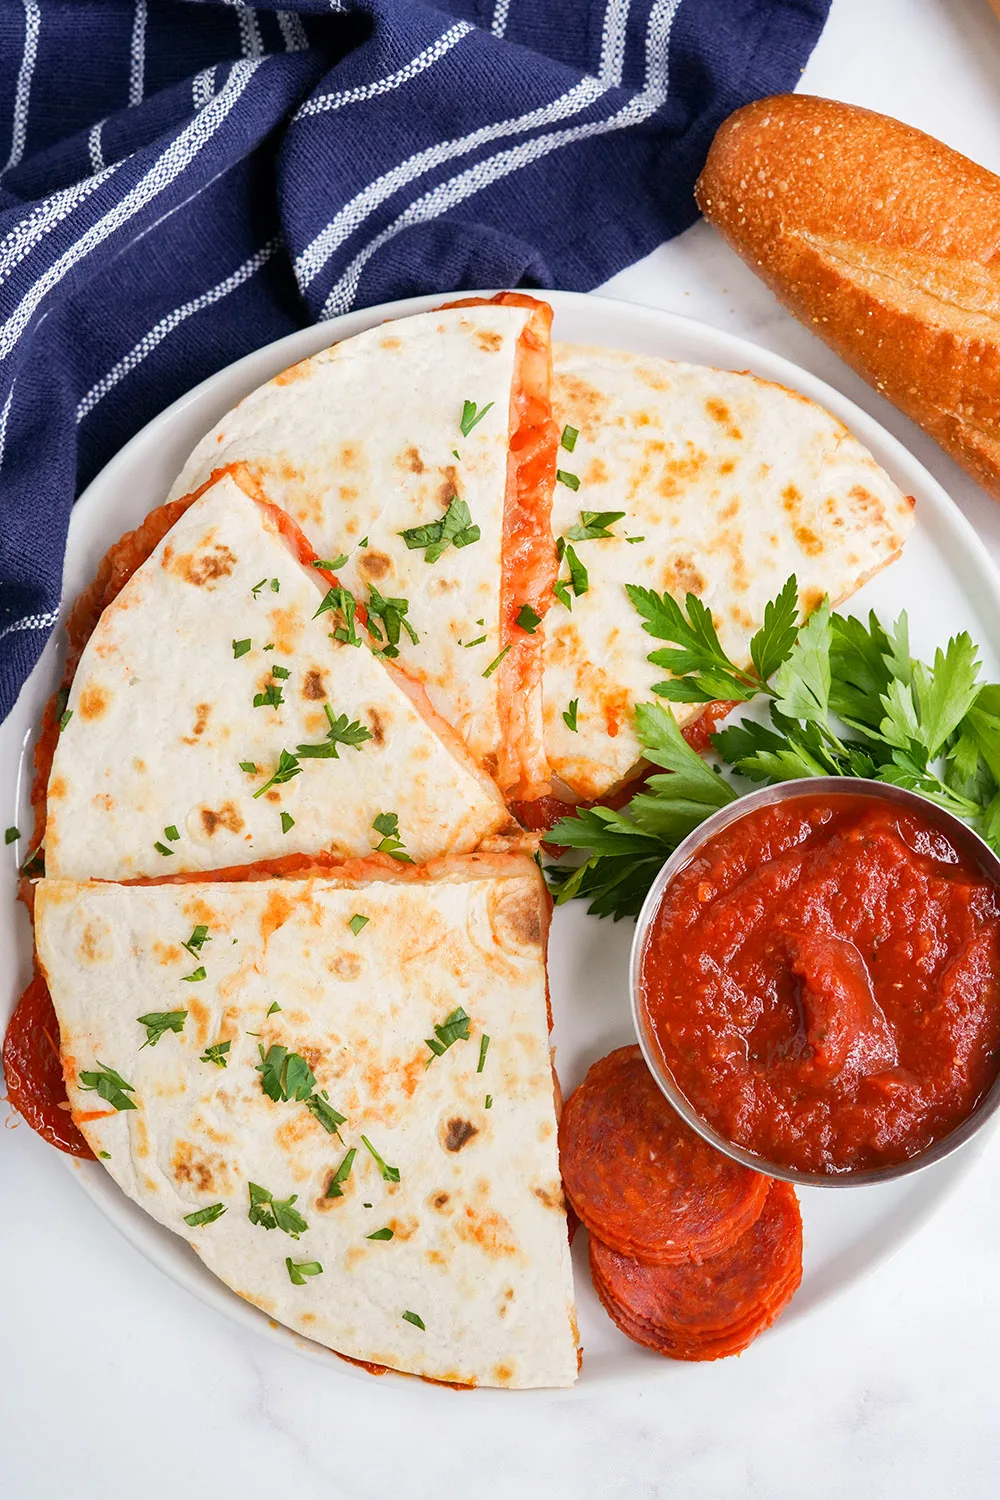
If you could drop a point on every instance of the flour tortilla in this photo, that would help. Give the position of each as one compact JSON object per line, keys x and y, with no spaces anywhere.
{"x":480,"y":1252}
{"x":358,"y":444}
{"x":162,"y":715}
{"x":733,"y":483}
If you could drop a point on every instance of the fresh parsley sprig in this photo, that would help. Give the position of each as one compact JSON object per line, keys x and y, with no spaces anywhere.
{"x":340,"y":732}
{"x":456,"y":528}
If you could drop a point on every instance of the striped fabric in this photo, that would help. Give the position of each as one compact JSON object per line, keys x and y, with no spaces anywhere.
{"x":182,"y":182}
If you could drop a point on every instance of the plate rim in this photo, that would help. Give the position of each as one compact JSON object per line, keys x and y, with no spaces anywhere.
{"x":741,"y":354}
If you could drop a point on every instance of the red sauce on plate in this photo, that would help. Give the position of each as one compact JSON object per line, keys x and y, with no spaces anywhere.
{"x":823,"y":982}
{"x":33,"y":1070}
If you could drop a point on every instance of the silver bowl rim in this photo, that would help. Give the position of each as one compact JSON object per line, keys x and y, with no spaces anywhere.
{"x":733,"y":812}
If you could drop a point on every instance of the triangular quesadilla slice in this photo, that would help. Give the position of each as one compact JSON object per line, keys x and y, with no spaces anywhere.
{"x":343,"y":1098}
{"x":227,"y":710}
{"x":421,"y":456}
{"x":680,"y":478}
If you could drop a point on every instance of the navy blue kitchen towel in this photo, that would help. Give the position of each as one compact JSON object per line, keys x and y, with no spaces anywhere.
{"x":183,"y":182}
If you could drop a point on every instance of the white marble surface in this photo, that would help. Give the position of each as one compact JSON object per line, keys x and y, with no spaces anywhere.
{"x":117,"y":1383}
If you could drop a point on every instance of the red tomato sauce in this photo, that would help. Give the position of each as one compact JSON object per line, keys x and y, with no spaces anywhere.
{"x":34,"y":1074}
{"x":823,"y":983}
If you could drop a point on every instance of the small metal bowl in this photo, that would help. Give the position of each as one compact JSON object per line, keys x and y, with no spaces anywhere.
{"x":824,"y":786}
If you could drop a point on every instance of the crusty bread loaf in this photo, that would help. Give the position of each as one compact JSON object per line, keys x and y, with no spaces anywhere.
{"x":886,"y":243}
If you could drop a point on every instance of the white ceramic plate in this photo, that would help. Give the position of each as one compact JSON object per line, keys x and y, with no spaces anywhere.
{"x":945,"y":580}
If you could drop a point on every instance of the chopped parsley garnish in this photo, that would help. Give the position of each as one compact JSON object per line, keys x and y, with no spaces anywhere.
{"x":334,"y":1189}
{"x":257,"y":587}
{"x":363,"y":542}
{"x":321,"y":1109}
{"x":569,"y":714}
{"x":489,"y":1101}
{"x":357,"y":922}
{"x":248,"y":766}
{"x":484,"y":1047}
{"x":284,"y":1075}
{"x":415,"y":1319}
{"x":477,"y":642}
{"x":273,"y":1009}
{"x":287,"y":822}
{"x":197,"y":940}
{"x":569,"y":437}
{"x":104,"y":1155}
{"x":635,"y":538}
{"x":281,"y":672}
{"x":471,"y":417}
{"x":579,"y":579}
{"x":527,"y":619}
{"x":392,"y":613}
{"x":34,"y":865}
{"x":275,"y":585}
{"x":331,"y":564}
{"x":205,"y":1215}
{"x":561,"y":590}
{"x":380,"y":1234}
{"x":161,"y":848}
{"x":571,"y":481}
{"x":387,"y":824}
{"x":340,"y":732}
{"x":171,"y":833}
{"x":299,"y":1270}
{"x":240,"y":648}
{"x":157,"y":1022}
{"x":108,"y":1085}
{"x":593,"y":525}
{"x":64,"y":719}
{"x":11,"y":835}
{"x":389,"y":1174}
{"x":269,"y":646}
{"x":275,"y":1213}
{"x":455,"y":1028}
{"x":216,"y":1053}
{"x":344,"y":602}
{"x":271,"y":697}
{"x":288,"y":767}
{"x":455,"y":529}
{"x":195,"y":976}
{"x":497,"y":660}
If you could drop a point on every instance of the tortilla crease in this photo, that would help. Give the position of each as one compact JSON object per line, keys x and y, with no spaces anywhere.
{"x":364,"y":441}
{"x":474,"y":1286}
{"x":162,"y":764}
{"x":729,"y":484}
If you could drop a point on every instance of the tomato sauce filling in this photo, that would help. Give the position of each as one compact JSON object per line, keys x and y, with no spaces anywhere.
{"x":529,"y":557}
{"x":823,"y":982}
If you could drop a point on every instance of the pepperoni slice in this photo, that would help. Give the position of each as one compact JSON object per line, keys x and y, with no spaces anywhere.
{"x":35,"y":1086}
{"x":714,"y":1309}
{"x":642,"y":1180}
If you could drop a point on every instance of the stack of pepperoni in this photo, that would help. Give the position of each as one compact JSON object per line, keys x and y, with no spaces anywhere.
{"x":691,"y":1254}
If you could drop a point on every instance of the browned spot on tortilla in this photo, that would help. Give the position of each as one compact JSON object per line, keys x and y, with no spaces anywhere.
{"x":228,"y":816}
{"x":617,"y":710}
{"x":93,"y":701}
{"x":377,"y":727}
{"x":727,"y":466}
{"x":190,"y":1165}
{"x":458,"y":1133}
{"x":314,"y":687}
{"x":719,"y":412}
{"x":293,"y":373}
{"x":810,"y":599}
{"x":403,"y":1229}
{"x":551,"y":1197}
{"x":165,"y":953}
{"x":807,"y":539}
{"x":344,"y":965}
{"x":677,"y":473}
{"x":202,"y":711}
{"x":350,"y":456}
{"x":412,"y":461}
{"x":391,"y":342}
{"x":276,"y":913}
{"x":516,"y":916}
{"x":580,"y":403}
{"x":596,"y":472}
{"x":296,"y":1129}
{"x":202,"y":570}
{"x":681,"y":577}
{"x":503,"y":1373}
{"x":489,"y":340}
{"x":88,"y":948}
{"x":490,"y":1231}
{"x":435,"y":1258}
{"x":439,"y":1201}
{"x":57,"y":789}
{"x":374,"y":564}
{"x":866,"y":500}
{"x":200,"y":1017}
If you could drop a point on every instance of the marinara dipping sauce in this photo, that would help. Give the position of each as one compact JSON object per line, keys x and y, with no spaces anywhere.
{"x":822,"y":981}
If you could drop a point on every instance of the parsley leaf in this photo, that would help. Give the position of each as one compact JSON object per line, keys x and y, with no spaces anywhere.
{"x":216,"y":1053}
{"x":381,"y":1234}
{"x":299,"y":1270}
{"x":161,"y":848}
{"x":344,"y":602}
{"x":569,"y":437}
{"x":392,"y":613}
{"x":387,"y":824}
{"x":571,"y":481}
{"x":455,"y":1028}
{"x":321,"y":1109}
{"x":64,"y":719}
{"x":569,"y":715}
{"x":205,"y":1215}
{"x":199,"y":937}
{"x":357,"y":922}
{"x":389,"y":1174}
{"x":334,"y":1189}
{"x":240,"y":648}
{"x":271,"y":697}
{"x":275,"y":1213}
{"x":340,"y":732}
{"x":528,"y":619}
{"x":578,"y":576}
{"x":287,"y":822}
{"x":249,"y":766}
{"x":288,"y":767}
{"x":471,"y":417}
{"x":284,"y":1075}
{"x":11,"y":835}
{"x":171,"y":833}
{"x":109,"y":1086}
{"x":157,"y":1022}
{"x":416,"y":1320}
{"x":330,"y":564}
{"x":455,"y":528}
{"x":497,"y":660}
{"x":484,"y":1047}
{"x":594,"y":524}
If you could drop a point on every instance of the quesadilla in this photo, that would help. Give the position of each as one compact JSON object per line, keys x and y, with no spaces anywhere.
{"x":347,"y":1109}
{"x":681,"y":478}
{"x":227,"y":710}
{"x":421,"y":456}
